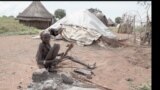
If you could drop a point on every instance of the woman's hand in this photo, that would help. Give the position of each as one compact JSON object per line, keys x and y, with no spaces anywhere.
{"x":61,"y":54}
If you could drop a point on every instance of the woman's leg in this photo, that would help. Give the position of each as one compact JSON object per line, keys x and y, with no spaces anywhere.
{"x":53,"y":52}
{"x":52,"y":55}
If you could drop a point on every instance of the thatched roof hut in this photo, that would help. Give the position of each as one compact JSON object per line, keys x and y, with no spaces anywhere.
{"x":125,"y":28}
{"x":36,"y":15}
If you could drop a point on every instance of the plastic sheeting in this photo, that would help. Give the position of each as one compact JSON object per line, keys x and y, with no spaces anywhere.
{"x":80,"y":35}
{"x":86,"y":19}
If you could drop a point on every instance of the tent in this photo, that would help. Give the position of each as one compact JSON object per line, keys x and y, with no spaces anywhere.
{"x":82,"y":27}
{"x":99,"y":15}
{"x":36,"y":15}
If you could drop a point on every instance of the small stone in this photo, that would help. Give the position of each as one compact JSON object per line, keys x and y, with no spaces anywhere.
{"x":89,"y":76}
{"x":14,"y":73}
{"x":31,"y":67}
{"x":67,"y":79}
{"x":20,"y":82}
{"x":147,"y":67}
{"x":49,"y":85}
{"x":40,"y":75}
{"x":129,"y":79}
{"x":48,"y":82}
{"x":30,"y":85}
{"x":19,"y":87}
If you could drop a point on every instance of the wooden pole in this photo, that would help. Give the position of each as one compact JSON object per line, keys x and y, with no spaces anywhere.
{"x":134,"y":30}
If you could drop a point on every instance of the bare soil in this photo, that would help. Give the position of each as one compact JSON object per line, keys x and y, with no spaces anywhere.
{"x":117,"y":68}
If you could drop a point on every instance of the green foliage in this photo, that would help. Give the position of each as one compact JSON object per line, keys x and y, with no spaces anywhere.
{"x":10,"y":26}
{"x":145,"y":86}
{"x":94,"y":10}
{"x":60,"y":13}
{"x":118,"y":20}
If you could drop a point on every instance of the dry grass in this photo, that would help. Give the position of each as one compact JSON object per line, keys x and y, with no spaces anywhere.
{"x":10,"y":26}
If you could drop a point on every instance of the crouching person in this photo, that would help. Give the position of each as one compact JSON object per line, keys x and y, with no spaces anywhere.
{"x":46,"y":55}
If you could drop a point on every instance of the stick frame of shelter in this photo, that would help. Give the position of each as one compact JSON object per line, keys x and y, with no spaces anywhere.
{"x":86,"y":80}
{"x":70,"y":46}
{"x":86,"y":65}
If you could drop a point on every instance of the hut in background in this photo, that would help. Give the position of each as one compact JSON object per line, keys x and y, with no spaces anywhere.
{"x":125,"y":28}
{"x":111,"y":23}
{"x":36,"y":15}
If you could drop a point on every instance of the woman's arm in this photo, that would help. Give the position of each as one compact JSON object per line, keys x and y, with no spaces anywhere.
{"x":39,"y":58}
{"x":60,"y":54}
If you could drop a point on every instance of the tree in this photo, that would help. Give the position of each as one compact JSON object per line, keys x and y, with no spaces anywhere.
{"x":147,"y":6}
{"x":118,"y":20}
{"x":94,"y":10}
{"x":147,"y":32}
{"x":60,"y":13}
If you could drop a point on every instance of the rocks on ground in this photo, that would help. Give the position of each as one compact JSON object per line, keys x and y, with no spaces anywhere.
{"x":44,"y":80}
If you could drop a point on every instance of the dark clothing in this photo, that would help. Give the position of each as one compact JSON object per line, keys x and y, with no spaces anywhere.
{"x":42,"y":52}
{"x":47,"y":53}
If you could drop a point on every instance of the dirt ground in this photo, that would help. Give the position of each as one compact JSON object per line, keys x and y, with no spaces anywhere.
{"x":117,"y":68}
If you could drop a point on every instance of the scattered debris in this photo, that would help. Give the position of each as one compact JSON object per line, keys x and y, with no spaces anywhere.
{"x":19,"y":87}
{"x":87,"y":73}
{"x":86,"y":80}
{"x":129,"y":79}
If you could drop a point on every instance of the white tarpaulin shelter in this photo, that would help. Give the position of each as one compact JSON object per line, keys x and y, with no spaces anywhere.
{"x":94,"y":28}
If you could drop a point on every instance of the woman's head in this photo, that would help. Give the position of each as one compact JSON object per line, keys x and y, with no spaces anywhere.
{"x":45,"y":36}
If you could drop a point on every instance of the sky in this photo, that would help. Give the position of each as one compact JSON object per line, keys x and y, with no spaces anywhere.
{"x":111,"y":9}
